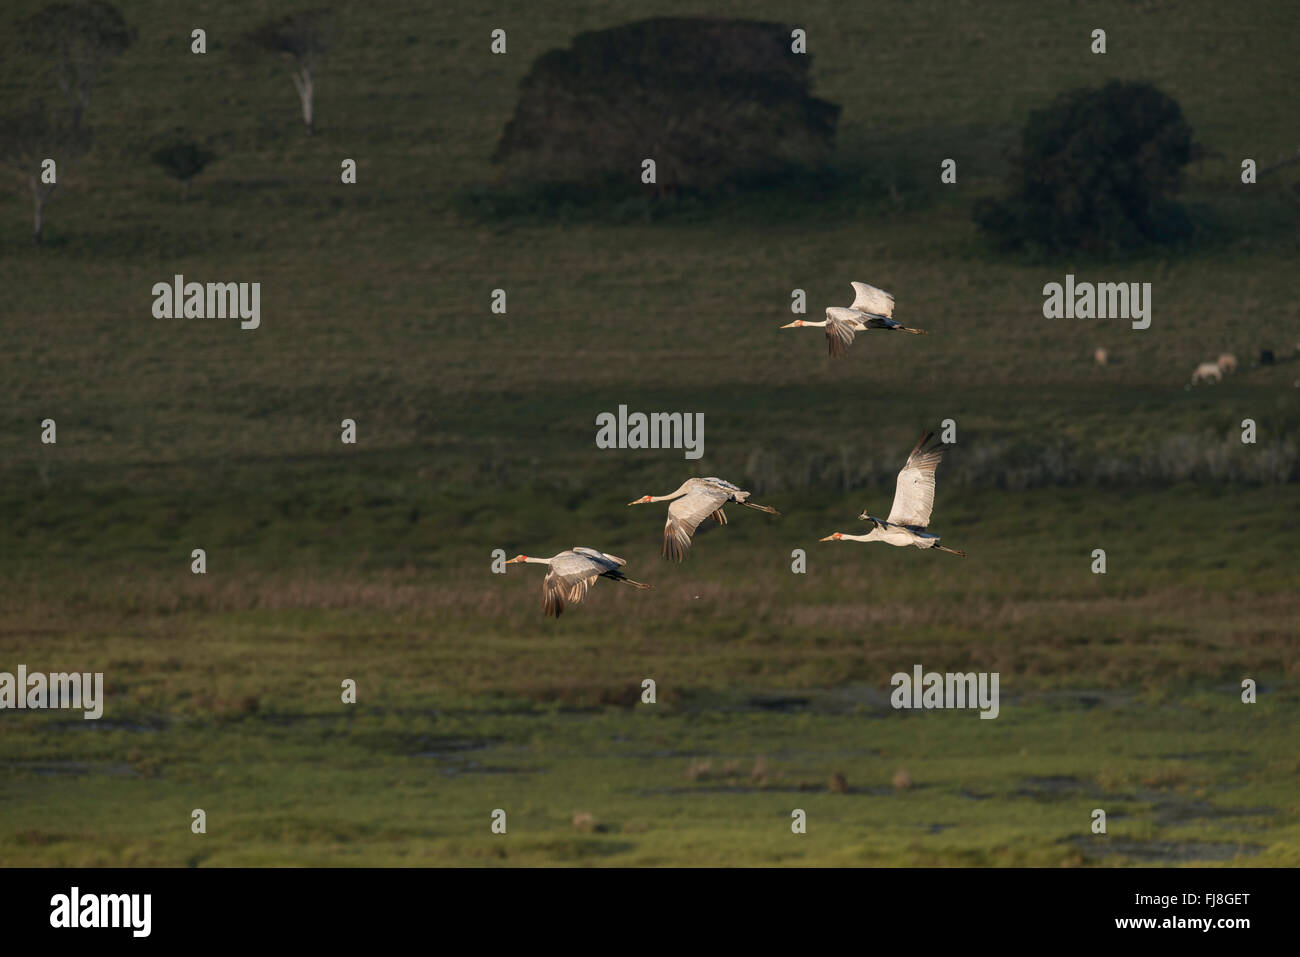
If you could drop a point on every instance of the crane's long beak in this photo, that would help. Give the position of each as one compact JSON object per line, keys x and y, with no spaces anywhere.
{"x":639,"y":501}
{"x":793,"y":325}
{"x":511,"y":561}
{"x":828,"y":538}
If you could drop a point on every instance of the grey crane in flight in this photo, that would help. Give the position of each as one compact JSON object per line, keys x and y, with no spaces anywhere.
{"x":695,"y":500}
{"x":571,"y":573}
{"x":872,"y":309}
{"x":913,"y":501}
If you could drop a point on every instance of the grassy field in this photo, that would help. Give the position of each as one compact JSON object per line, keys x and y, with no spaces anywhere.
{"x":476,"y":432}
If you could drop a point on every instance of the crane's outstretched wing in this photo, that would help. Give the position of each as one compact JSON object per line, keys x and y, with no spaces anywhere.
{"x":574,"y":571}
{"x":870,"y":299}
{"x":841,"y":324}
{"x":880,"y":322}
{"x":914,"y":493}
{"x":598,"y":557}
{"x":722,"y":484}
{"x":685,"y":515}
{"x":571,"y":574}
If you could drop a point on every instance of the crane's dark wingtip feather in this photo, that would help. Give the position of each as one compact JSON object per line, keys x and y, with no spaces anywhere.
{"x":675,"y":549}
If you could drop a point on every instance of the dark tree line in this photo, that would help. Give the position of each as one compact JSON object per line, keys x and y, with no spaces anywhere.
{"x":712,"y":102}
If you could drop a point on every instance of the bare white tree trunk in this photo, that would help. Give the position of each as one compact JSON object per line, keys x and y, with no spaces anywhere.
{"x":302,"y":81}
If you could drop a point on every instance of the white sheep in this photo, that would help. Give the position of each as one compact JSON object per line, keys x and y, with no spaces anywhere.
{"x":1208,"y":372}
{"x":1227,"y":363}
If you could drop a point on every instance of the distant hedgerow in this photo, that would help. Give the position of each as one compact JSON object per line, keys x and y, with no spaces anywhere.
{"x":1094,"y":173}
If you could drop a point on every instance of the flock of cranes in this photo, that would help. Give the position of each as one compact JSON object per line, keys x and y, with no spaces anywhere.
{"x":572,"y":572}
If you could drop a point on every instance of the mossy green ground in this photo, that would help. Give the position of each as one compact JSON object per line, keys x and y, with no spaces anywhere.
{"x":416,"y":786}
{"x":327,"y":562}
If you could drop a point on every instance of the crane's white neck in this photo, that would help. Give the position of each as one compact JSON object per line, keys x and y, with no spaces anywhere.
{"x":681,"y":490}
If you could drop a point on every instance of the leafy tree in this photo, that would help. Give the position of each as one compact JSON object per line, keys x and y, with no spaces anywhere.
{"x":77,"y":41}
{"x":710,"y":101}
{"x":1094,"y":172}
{"x":182,"y":158}
{"x":30,"y":136}
{"x":300,"y":39}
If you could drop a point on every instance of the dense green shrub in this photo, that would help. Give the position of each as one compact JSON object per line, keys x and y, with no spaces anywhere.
{"x":182,"y":158}
{"x":1093,"y":173}
{"x":710,"y":101}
